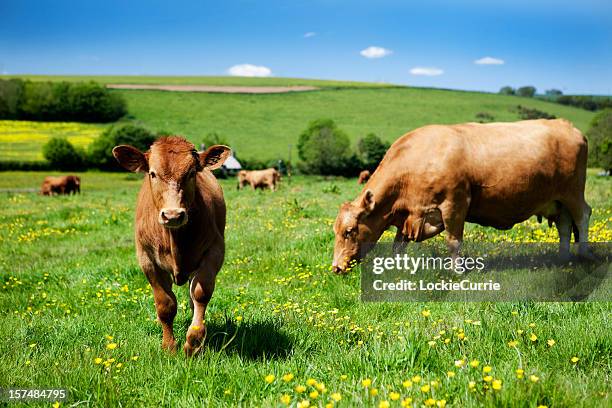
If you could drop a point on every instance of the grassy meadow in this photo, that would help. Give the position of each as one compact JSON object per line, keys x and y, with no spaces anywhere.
{"x":77,"y":312}
{"x":263,"y":126}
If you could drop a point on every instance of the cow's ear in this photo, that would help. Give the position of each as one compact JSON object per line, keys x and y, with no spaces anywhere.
{"x":367,"y":201}
{"x":131,"y":158}
{"x":213,"y":157}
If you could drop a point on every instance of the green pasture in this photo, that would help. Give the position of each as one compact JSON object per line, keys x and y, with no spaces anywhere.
{"x":263,"y":126}
{"x":76,"y":311}
{"x":203,"y":80}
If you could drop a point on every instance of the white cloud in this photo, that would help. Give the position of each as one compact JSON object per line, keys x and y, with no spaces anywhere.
{"x":249,"y":70}
{"x":427,"y":71}
{"x":375,"y":52}
{"x":309,"y":34}
{"x":489,"y":61}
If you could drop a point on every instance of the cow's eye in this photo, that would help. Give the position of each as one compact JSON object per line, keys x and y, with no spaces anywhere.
{"x":348,"y":232}
{"x":152,"y":174}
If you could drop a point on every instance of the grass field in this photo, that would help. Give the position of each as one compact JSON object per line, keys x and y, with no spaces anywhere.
{"x":203,"y":80}
{"x":77,"y":312}
{"x":263,"y":126}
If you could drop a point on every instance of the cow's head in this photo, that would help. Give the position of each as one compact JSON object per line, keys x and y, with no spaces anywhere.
{"x":352,"y":230}
{"x":171,"y":166}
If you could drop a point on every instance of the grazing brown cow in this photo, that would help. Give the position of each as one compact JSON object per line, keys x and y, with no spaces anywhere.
{"x":438,"y":177}
{"x":61,"y":185}
{"x":268,"y":178}
{"x":364,"y":176}
{"x":179,"y":227}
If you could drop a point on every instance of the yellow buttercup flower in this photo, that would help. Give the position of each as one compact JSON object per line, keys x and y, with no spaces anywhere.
{"x":488,"y":378}
{"x":269,"y":378}
{"x":299,"y":389}
{"x":425,"y":388}
{"x":450,"y":374}
{"x":406,"y":402}
{"x":534,"y":378}
{"x":416,"y":379}
{"x":550,"y":342}
{"x":285,"y":399}
{"x":336,"y":396}
{"x":374,"y":392}
{"x":311,"y":381}
{"x":474,"y":363}
{"x":287,"y":377}
{"x":394,"y":396}
{"x":407,"y":384}
{"x":497,"y":385}
{"x":425,"y":313}
{"x":384,"y":404}
{"x":111,"y":346}
{"x":533,"y":337}
{"x":314,"y":394}
{"x":366,"y":382}
{"x":486,"y":369}
{"x":574,"y":359}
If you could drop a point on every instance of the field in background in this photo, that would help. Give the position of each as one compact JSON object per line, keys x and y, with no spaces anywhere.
{"x":203,"y":80}
{"x":263,"y":126}
{"x":71,"y":290}
{"x":23,"y":140}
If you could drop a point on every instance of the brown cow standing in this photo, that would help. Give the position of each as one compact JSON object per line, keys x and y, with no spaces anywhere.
{"x":437,"y":177}
{"x":364,"y":176}
{"x":61,"y":185}
{"x":268,"y":178}
{"x":179,"y":227}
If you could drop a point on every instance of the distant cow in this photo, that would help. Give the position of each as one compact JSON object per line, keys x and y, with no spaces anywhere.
{"x":268,"y":178}
{"x":179,"y":227}
{"x":364,"y":176}
{"x":436,"y":178}
{"x":61,"y":185}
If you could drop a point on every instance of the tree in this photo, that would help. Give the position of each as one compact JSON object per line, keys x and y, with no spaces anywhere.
{"x":324,"y":149}
{"x":371,"y":150}
{"x":507,"y":90}
{"x":214,"y":138}
{"x":101,"y":149}
{"x":553,"y":92}
{"x":62,"y":155}
{"x":526,"y":91}
{"x":600,"y":141}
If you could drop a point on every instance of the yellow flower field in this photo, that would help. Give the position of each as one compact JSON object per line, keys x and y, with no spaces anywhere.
{"x":23,"y":140}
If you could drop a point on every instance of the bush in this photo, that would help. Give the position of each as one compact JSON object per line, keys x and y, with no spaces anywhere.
{"x":59,"y":101}
{"x":101,"y":149}
{"x":484,"y":117}
{"x":526,"y":91}
{"x":507,"y":90}
{"x":62,"y":155}
{"x":529,"y":113}
{"x":325,"y":149}
{"x":587,"y":102}
{"x":213,"y":138}
{"x":600,"y":141}
{"x":371,"y":150}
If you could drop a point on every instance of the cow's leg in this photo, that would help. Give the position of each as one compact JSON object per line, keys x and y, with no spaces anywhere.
{"x":400,"y":242}
{"x":580,"y":213}
{"x":165,"y":301}
{"x":453,"y":218}
{"x":201,"y":290}
{"x":564,"y":227}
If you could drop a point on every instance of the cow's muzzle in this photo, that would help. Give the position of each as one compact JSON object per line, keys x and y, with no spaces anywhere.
{"x":173,"y":217}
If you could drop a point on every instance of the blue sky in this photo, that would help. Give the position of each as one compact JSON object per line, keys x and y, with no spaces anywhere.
{"x":548,"y":44}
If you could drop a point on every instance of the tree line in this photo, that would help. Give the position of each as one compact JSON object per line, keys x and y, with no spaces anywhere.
{"x":59,"y":101}
{"x":588,"y":102}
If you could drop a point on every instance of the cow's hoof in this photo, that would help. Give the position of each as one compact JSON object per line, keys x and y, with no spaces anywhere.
{"x":169,"y":346}
{"x":191,"y":350}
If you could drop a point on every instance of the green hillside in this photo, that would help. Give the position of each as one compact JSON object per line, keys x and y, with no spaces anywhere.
{"x":262,"y":126}
{"x":202,"y":80}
